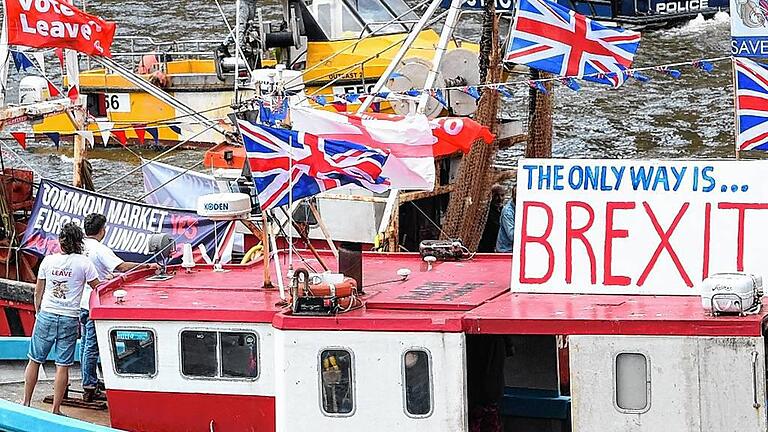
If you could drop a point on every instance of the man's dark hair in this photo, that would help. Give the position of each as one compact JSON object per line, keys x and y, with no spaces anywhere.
{"x":93,"y":223}
{"x":71,"y":238}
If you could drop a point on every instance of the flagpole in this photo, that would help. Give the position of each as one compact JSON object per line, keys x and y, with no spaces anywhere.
{"x":4,"y":55}
{"x":735,"y":109}
{"x":290,"y":205}
{"x":237,"y":49}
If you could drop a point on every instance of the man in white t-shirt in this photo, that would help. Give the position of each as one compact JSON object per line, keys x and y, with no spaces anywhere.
{"x":61,"y":280}
{"x":106,"y":263}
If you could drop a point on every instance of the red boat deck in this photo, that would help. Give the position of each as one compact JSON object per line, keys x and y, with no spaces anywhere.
{"x":471,"y":296}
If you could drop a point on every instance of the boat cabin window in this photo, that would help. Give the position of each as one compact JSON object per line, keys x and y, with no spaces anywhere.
{"x":632,"y":382}
{"x":133,"y":352}
{"x":336,"y":382}
{"x":346,"y":19}
{"x":418,"y":391}
{"x":210,"y":354}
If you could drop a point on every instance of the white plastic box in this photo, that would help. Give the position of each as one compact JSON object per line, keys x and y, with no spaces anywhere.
{"x":731,"y":292}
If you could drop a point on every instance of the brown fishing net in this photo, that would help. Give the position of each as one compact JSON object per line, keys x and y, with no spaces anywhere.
{"x":468,"y":205}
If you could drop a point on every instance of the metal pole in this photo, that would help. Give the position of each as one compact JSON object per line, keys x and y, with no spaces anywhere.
{"x":4,"y":55}
{"x":735,"y":110}
{"x":400,"y":54}
{"x":445,"y":37}
{"x":237,"y":50}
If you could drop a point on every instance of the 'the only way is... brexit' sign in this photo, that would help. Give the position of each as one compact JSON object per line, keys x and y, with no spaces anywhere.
{"x":637,"y":227}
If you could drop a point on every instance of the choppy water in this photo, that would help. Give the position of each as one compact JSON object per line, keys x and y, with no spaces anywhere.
{"x":665,"y":118}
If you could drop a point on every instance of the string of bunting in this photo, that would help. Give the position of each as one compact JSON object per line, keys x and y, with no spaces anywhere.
{"x":339,"y":101}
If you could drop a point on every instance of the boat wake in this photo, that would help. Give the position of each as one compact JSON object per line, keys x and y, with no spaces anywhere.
{"x":701,"y":24}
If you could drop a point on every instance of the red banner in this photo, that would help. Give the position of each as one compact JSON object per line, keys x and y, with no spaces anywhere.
{"x":57,"y":24}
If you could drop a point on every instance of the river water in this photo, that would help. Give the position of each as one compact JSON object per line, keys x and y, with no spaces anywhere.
{"x":691,"y":117}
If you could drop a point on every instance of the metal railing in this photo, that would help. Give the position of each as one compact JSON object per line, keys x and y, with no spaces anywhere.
{"x":133,"y":48}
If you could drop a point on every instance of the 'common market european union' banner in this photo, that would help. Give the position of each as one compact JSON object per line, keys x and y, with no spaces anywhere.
{"x":129,"y":224}
{"x":637,"y":226}
{"x":749,"y":28}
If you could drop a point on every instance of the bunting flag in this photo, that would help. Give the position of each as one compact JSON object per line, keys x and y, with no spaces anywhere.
{"x":472,"y":91}
{"x":55,"y":137}
{"x":53,"y":91}
{"x":21,"y":61}
{"x":539,"y":86}
{"x":674,"y":73}
{"x":339,"y":106}
{"x":21,"y":138}
{"x":87,"y":136}
{"x":175,"y":129}
{"x":73,"y":93}
{"x":571,"y":83}
{"x":120,"y":136}
{"x":40,"y":59}
{"x":60,"y":56}
{"x":704,"y":65}
{"x":139,"y":133}
{"x":155,"y":134}
{"x":105,"y":129}
{"x":320,"y":100}
{"x":640,"y":77}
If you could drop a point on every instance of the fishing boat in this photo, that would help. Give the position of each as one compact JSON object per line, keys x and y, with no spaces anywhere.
{"x":407,"y":340}
{"x":339,"y":47}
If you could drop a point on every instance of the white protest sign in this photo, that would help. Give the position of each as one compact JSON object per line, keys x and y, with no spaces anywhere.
{"x":637,"y":227}
{"x":749,"y":28}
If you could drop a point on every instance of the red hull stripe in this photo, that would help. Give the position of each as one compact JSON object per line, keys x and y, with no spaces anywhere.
{"x":172,"y":412}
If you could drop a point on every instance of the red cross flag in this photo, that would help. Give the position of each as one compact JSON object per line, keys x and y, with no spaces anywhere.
{"x":57,"y":24}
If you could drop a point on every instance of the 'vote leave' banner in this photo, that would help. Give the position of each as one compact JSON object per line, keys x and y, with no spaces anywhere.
{"x":637,"y":227}
{"x":57,"y":24}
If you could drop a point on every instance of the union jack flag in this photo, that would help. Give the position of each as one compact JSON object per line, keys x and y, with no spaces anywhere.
{"x":552,"y":38}
{"x":315,"y":164}
{"x":751,"y":104}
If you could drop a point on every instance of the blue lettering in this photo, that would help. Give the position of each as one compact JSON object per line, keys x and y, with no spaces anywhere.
{"x":545,"y":177}
{"x":575,"y":184}
{"x":591,"y":177}
{"x":708,"y":178}
{"x":661,"y":177}
{"x":558,"y":177}
{"x":678,"y":177}
{"x":695,"y":179}
{"x":640,"y":177}
{"x":618,"y":173}
{"x":530,"y":169}
{"x":604,"y":186}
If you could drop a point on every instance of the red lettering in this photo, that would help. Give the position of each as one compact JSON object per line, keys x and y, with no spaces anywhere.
{"x":705,"y":257}
{"x":542,"y":240}
{"x":608,"y":277}
{"x":664,"y":244}
{"x":742,"y":209}
{"x":572,"y":233}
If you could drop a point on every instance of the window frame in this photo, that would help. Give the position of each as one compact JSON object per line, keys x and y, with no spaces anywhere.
{"x":615,"y":367}
{"x":431,"y":383}
{"x":219,"y":364}
{"x":352,"y":377}
{"x":113,"y":352}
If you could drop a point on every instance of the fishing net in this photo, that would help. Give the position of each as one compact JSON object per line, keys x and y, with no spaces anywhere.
{"x":468,"y":205}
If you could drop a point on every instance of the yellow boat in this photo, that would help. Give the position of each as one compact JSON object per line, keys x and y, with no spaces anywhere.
{"x":341,"y":46}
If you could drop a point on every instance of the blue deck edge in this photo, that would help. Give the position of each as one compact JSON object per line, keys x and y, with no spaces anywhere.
{"x":18,"y":418}
{"x":16,"y":347}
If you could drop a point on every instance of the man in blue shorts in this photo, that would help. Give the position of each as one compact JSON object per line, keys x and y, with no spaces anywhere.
{"x":60,"y":283}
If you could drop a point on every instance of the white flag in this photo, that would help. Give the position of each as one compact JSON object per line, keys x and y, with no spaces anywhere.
{"x":104,"y":130}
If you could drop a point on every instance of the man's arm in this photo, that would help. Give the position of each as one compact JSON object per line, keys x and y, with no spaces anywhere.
{"x":39,"y":289}
{"x":126,"y":266}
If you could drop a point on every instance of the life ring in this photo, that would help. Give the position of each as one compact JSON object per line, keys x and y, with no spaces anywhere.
{"x":346,"y":288}
{"x":252,"y":254}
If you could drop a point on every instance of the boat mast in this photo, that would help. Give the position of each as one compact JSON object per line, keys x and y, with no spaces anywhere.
{"x":4,"y":57}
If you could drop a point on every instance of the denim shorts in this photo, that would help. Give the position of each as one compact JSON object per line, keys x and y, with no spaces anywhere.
{"x":54,"y":330}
